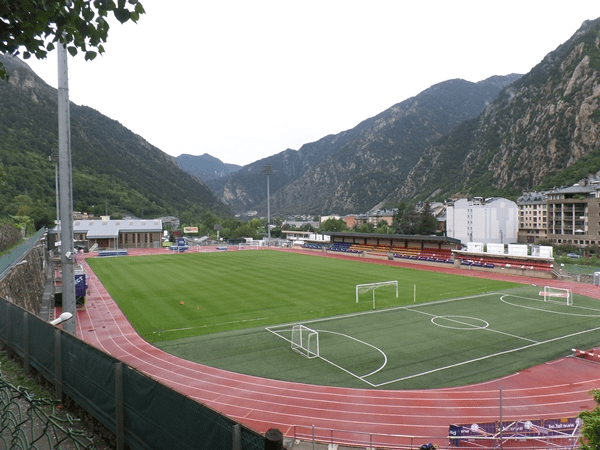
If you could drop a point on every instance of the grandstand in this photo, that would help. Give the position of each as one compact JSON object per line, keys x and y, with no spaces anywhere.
{"x":434,"y":250}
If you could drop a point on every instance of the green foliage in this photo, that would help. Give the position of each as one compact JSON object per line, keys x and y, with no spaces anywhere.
{"x":334,"y":225}
{"x":584,"y":166}
{"x":365,"y":228}
{"x":407,"y":219}
{"x":590,"y":432}
{"x":115,"y":172}
{"x":427,"y":222}
{"x":39,"y":25}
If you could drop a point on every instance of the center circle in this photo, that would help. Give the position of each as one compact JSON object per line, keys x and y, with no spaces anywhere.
{"x":460,"y":322}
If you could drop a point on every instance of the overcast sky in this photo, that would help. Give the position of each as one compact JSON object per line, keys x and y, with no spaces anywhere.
{"x":242,"y":80}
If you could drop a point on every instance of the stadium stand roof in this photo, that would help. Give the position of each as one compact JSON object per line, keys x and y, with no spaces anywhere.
{"x":398,"y":237}
{"x":99,"y":229}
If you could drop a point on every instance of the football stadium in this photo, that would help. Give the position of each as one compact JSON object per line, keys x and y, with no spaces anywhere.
{"x":344,"y":350}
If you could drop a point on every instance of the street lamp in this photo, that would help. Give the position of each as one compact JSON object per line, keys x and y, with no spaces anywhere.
{"x":62,"y":318}
{"x":268,"y":170}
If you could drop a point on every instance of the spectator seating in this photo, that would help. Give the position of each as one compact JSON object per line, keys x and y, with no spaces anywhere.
{"x":313,"y":246}
{"x":506,"y":261}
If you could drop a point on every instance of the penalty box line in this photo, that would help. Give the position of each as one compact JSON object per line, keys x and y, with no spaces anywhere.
{"x":358,"y":377}
{"x":482,"y":358}
{"x":286,"y":327}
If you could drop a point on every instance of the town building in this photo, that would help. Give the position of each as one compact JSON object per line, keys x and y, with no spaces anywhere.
{"x":116,"y":234}
{"x":533,"y":214}
{"x":492,"y":220}
{"x":574,"y":215}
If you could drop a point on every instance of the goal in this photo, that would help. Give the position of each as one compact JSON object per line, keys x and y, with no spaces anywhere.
{"x":305,"y":341}
{"x":557,"y":295}
{"x":362,"y":288}
{"x":248,"y":245}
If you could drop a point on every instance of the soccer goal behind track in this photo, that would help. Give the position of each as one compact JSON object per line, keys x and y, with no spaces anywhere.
{"x":362,"y":288}
{"x":248,"y":245}
{"x":305,"y":341}
{"x":557,"y":295}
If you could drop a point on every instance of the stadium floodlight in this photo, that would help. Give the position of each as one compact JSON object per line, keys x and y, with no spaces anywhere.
{"x":268,"y":170}
{"x":62,"y":318}
{"x":362,"y":288}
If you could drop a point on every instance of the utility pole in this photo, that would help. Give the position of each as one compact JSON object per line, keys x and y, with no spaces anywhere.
{"x":268,"y":170}
{"x":67,"y":255}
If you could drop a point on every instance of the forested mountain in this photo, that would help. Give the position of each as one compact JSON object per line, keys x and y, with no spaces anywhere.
{"x":495,"y":137}
{"x":114,"y":170}
{"x":205,"y":167}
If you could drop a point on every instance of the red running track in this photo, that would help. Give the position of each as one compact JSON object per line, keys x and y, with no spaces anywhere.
{"x":556,"y":389}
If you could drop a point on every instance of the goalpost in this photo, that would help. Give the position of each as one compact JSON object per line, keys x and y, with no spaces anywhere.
{"x":305,"y":341}
{"x":557,"y":295}
{"x":248,"y":245}
{"x":362,"y":288}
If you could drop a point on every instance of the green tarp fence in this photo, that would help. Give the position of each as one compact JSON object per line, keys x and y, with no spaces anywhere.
{"x":145,"y":413}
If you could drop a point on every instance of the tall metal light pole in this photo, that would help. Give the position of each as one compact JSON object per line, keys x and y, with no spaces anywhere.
{"x":67,"y":255}
{"x":268,"y":170}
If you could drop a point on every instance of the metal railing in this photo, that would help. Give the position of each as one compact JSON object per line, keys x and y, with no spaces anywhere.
{"x":514,"y":441}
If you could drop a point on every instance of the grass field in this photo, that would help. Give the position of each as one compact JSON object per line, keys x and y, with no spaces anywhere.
{"x":234,"y":310}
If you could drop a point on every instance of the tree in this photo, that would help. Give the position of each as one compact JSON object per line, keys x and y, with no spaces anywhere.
{"x":365,"y":228}
{"x":2,"y":176}
{"x":408,"y":221}
{"x":382,"y":227}
{"x":334,"y":225}
{"x":427,"y":222}
{"x":37,"y":25}
{"x":590,"y":433}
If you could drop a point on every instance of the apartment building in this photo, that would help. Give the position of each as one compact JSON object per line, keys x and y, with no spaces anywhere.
{"x":574,"y":215}
{"x":533,"y":218}
{"x":482,"y":220}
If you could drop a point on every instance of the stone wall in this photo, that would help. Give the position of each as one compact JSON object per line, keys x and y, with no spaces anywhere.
{"x":8,"y":236}
{"x":24,"y":284}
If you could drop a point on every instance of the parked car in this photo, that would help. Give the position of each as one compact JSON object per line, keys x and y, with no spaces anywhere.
{"x":573,"y":255}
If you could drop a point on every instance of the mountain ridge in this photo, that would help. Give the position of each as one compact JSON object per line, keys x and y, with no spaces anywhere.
{"x":335,"y":165}
{"x":114,"y":169}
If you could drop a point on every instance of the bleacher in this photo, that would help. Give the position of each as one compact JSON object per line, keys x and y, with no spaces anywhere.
{"x":491,"y":262}
{"x":345,"y":247}
{"x":414,"y":253}
{"x":425,"y":254}
{"x":313,"y":246}
{"x":113,"y":252}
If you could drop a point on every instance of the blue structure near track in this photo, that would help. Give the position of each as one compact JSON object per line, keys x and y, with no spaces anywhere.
{"x":113,"y":252}
{"x":180,"y":246}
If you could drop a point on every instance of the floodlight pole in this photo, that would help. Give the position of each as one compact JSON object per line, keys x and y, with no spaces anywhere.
{"x":268,"y":170}
{"x":67,"y":255}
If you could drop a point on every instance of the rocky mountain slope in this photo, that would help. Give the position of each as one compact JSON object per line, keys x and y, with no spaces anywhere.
{"x":205,"y":167}
{"x":359,"y":168}
{"x":543,"y":123}
{"x":114,"y":170}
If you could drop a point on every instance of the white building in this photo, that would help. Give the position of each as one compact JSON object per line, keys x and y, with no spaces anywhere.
{"x":487,"y":221}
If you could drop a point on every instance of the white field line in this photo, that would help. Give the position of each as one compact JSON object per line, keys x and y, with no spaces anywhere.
{"x":413,"y":308}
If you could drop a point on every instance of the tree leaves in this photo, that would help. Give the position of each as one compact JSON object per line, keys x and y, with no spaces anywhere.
{"x":36,"y":25}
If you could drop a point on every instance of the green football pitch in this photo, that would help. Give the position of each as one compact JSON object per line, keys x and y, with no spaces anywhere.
{"x":236,"y":311}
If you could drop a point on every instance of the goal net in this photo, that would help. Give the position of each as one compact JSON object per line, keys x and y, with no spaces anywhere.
{"x":305,"y":341}
{"x":363,"y":288}
{"x":557,"y":295}
{"x":248,"y":245}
